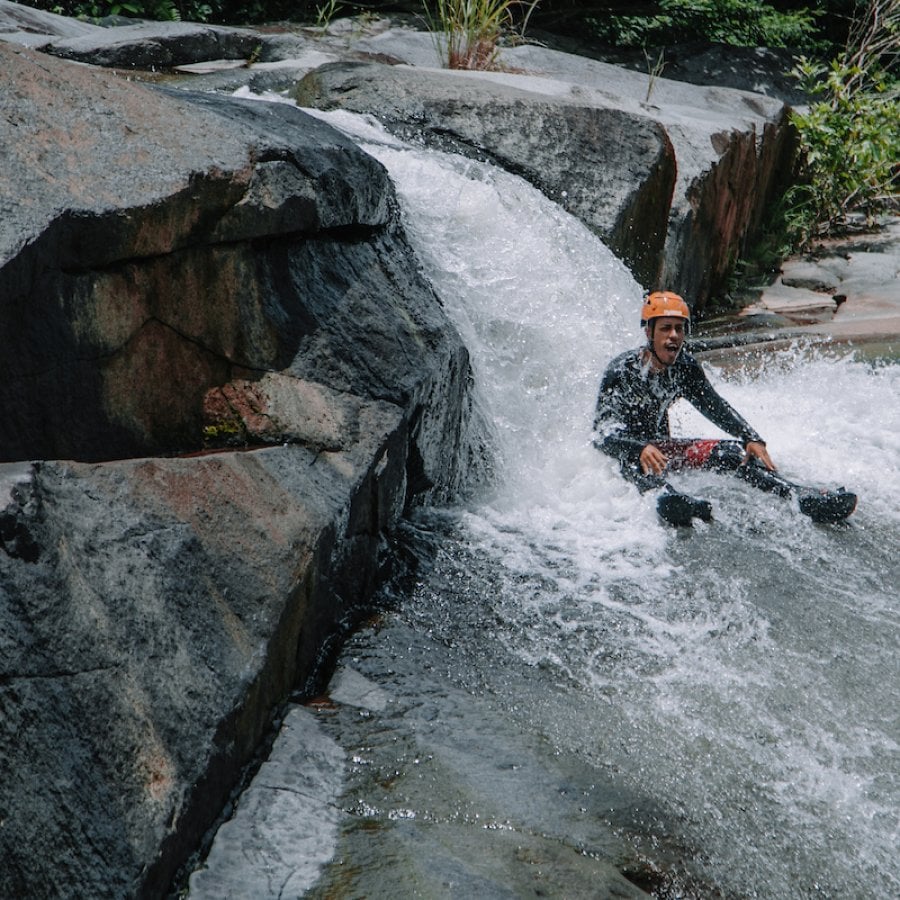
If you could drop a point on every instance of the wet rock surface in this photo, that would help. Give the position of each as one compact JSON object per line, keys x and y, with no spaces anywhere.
{"x":172,"y":603}
{"x":841,"y":295}
{"x":157,"y":249}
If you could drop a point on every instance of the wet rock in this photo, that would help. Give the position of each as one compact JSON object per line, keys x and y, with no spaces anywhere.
{"x":286,"y":822}
{"x":175,"y":601}
{"x":279,"y":409}
{"x":157,"y":45}
{"x":159,"y":250}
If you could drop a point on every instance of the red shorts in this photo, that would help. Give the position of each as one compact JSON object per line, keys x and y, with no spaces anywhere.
{"x":688,"y":454}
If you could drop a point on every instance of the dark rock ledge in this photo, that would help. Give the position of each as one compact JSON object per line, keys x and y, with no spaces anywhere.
{"x":175,"y":269}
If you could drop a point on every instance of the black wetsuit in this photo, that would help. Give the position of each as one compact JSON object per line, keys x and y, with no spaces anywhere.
{"x":633,"y":411}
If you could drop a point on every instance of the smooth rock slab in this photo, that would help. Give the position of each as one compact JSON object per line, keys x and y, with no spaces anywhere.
{"x":286,"y":823}
{"x":157,"y":45}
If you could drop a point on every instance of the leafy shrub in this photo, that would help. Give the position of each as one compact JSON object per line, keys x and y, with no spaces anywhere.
{"x":742,"y":23}
{"x":159,"y":10}
{"x":849,"y":136}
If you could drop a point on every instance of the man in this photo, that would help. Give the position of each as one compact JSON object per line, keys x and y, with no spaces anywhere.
{"x":632,"y":423}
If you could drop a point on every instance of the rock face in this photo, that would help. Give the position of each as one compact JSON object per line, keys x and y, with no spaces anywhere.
{"x":133,"y":280}
{"x":174,"y":267}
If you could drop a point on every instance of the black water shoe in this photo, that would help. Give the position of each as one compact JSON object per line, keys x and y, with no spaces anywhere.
{"x":826,"y":506}
{"x":680,"y":509}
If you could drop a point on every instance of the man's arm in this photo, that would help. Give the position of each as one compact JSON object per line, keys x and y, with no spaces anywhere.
{"x":653,"y":461}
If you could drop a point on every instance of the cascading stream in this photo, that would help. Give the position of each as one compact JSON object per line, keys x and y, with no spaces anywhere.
{"x":750,"y":667}
{"x":738,"y":681}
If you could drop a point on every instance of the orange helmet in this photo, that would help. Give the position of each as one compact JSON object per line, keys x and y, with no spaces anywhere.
{"x":664,"y":303}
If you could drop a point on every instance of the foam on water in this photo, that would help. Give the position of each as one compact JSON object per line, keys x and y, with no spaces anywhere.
{"x":542,"y":305}
{"x":748,"y":669}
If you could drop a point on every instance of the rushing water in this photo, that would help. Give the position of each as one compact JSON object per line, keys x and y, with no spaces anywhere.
{"x":723,"y":700}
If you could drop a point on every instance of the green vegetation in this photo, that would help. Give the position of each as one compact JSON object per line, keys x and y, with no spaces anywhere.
{"x":849,"y":135}
{"x":742,"y":23}
{"x":159,"y":10}
{"x":224,"y":434}
{"x":326,"y":11}
{"x":476,"y":25}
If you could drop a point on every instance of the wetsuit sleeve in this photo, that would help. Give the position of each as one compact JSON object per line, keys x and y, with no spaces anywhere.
{"x":614,"y":431}
{"x":699,"y":392}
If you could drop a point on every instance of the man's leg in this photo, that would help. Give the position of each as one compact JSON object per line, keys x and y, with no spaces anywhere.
{"x":728,"y":456}
{"x":819,"y":504}
{"x":673,"y":506}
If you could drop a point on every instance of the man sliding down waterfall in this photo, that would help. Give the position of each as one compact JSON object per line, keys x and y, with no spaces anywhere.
{"x":632,"y":424}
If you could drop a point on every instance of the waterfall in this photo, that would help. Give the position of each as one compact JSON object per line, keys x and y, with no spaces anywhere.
{"x":737,"y":682}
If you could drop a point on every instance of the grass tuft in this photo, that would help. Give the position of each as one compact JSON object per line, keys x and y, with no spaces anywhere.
{"x":469,"y":32}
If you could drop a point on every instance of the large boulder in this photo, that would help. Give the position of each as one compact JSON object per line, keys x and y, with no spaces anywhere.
{"x":167,"y":607}
{"x":130,"y":272}
{"x":180,"y":272}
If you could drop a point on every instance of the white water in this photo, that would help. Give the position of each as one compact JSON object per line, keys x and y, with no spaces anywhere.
{"x":748,"y":670}
{"x":743,"y":674}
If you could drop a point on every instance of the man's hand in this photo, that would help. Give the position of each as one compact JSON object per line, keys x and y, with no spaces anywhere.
{"x":758,"y":450}
{"x":654,"y":460}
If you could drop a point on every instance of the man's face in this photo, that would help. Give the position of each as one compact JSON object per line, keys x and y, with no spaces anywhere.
{"x":667,"y":338}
